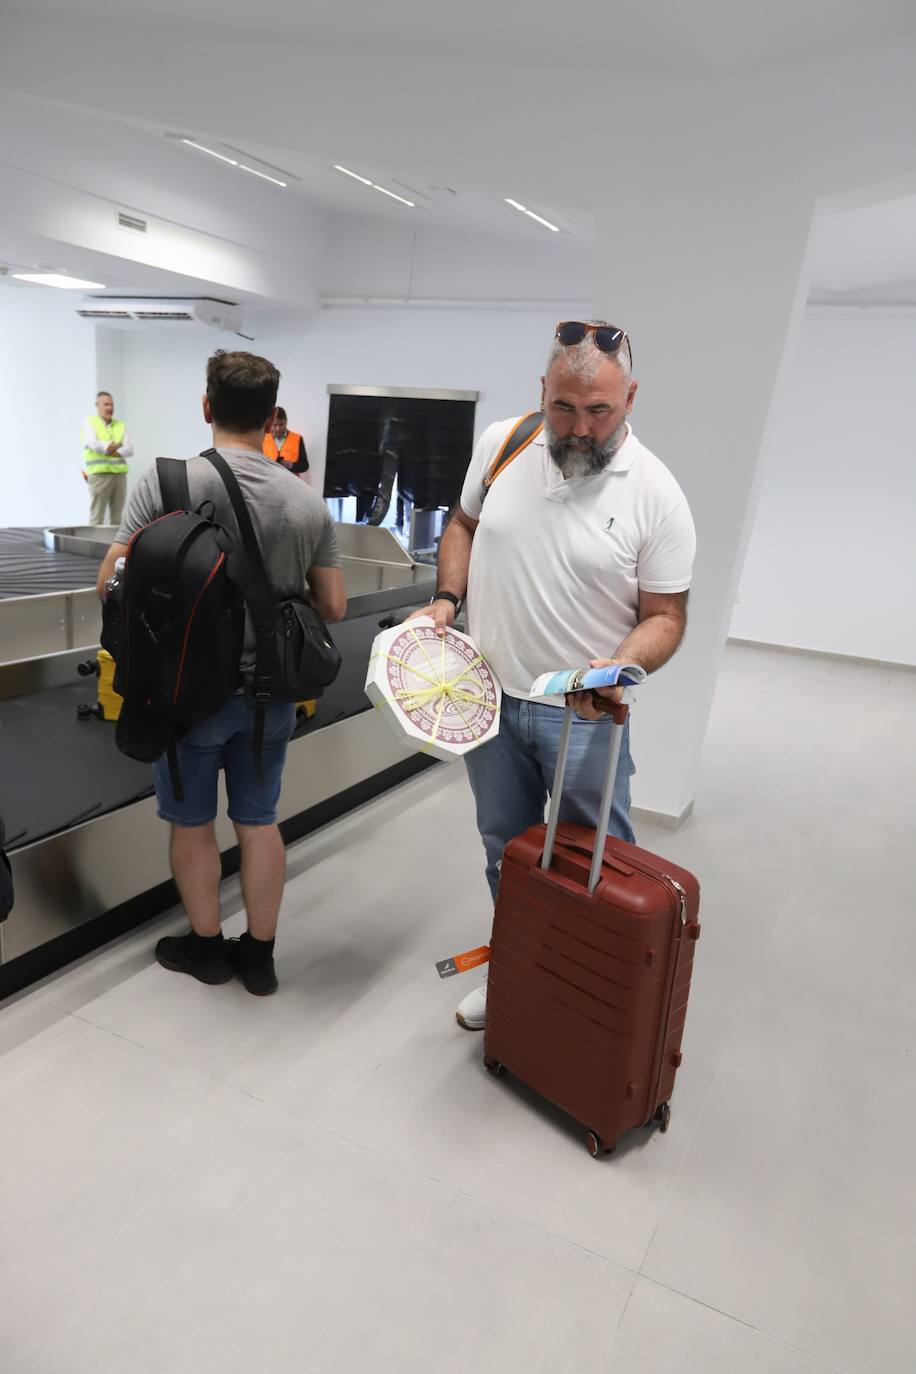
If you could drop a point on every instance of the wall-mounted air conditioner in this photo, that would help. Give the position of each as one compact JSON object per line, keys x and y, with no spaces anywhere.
{"x":158,"y":310}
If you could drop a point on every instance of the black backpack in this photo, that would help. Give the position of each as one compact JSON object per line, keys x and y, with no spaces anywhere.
{"x":175,"y":624}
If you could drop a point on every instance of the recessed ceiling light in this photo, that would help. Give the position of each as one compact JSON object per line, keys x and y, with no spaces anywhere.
{"x":58,"y":279}
{"x":201,"y":149}
{"x":374,"y":185}
{"x":394,"y":196}
{"x":355,"y":175}
{"x":231,"y":161}
{"x":531,"y":215}
{"x":263,"y":175}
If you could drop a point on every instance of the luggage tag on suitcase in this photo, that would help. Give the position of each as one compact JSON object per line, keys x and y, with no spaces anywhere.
{"x":460,"y":963}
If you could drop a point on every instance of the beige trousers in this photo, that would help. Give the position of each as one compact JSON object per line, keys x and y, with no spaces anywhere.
{"x":108,"y":490}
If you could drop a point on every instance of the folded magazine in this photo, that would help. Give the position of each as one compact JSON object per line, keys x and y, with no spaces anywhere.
{"x":587,"y":679}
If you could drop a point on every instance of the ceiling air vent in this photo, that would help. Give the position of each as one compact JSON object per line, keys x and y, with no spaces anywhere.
{"x":132,"y":222}
{"x":199,"y":310}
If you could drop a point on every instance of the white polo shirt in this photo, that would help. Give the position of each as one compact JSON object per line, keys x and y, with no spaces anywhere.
{"x":557,"y":564}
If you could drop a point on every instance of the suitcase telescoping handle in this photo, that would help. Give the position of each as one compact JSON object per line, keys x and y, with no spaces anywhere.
{"x":618,"y":714}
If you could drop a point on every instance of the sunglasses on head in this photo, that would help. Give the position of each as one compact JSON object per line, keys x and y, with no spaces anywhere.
{"x":608,"y":338}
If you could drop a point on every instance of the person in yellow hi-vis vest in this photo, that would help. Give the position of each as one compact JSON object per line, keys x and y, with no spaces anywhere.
{"x":106,"y":448}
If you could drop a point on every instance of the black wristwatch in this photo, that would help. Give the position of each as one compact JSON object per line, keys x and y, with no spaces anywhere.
{"x":447,"y":596}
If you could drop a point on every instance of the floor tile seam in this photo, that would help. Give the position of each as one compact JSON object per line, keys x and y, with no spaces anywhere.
{"x":217,"y":1082}
{"x":34,"y":993}
{"x":32,"y":997}
{"x":737,"y":1024}
{"x":688,"y":1145}
{"x":748,"y":1326}
{"x":608,"y":1366}
{"x":396,"y":1049}
{"x":128,"y":1318}
{"x":237,"y":1087}
{"x":45,"y":1037}
{"x":500,"y":1214}
{"x":316,"y":1121}
{"x":152,"y":927}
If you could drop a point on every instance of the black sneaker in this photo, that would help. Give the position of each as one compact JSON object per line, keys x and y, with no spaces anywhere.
{"x":253,"y":961}
{"x":205,"y":957}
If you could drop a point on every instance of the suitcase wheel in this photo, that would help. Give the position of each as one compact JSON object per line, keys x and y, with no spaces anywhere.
{"x":596,"y":1146}
{"x":494,"y":1067}
{"x":663,"y":1117}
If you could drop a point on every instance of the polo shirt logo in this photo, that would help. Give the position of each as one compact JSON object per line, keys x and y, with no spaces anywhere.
{"x":609,"y":523}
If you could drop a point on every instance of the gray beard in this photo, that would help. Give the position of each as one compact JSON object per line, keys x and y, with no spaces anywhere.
{"x":584,"y":459}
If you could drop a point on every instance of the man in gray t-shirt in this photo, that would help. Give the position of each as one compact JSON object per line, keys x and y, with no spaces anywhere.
{"x":297,"y":541}
{"x":293,"y":525}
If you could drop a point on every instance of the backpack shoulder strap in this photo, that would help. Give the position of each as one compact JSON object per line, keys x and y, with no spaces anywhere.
{"x":173,"y":484}
{"x":241,"y":512}
{"x":248,"y":571}
{"x":518,"y":439}
{"x":250,"y":576}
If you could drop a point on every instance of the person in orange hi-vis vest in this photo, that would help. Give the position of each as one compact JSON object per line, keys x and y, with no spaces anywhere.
{"x":284,"y":445}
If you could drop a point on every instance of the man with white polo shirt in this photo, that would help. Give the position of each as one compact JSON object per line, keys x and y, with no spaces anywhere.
{"x":578,"y":549}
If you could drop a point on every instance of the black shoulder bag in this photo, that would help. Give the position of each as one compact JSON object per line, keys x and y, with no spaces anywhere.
{"x":296,"y":658}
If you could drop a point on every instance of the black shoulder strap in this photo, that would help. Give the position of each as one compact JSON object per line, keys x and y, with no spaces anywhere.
{"x":173,"y":484}
{"x":257,"y":592}
{"x":250,"y":576}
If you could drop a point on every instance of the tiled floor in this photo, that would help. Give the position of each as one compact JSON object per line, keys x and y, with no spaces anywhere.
{"x":196,"y":1180}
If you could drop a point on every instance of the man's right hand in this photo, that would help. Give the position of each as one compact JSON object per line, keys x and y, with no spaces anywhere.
{"x":442,"y":612}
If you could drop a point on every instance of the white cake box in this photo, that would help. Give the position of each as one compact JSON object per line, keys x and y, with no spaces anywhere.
{"x":438,"y":694}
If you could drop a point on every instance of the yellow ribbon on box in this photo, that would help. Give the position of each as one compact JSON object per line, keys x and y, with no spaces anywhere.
{"x":413,"y":699}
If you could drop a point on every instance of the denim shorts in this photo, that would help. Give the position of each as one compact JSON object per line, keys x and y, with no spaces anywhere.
{"x":226,"y":740}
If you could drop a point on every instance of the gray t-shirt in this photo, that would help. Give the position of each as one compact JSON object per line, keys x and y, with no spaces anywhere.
{"x":293,"y":525}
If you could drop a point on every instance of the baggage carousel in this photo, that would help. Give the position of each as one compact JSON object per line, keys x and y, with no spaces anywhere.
{"x":88,"y":851}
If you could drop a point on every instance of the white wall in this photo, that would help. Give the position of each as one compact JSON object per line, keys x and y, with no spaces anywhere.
{"x":831,"y":563}
{"x":109,"y":365}
{"x":499,"y":353}
{"x":47,"y":387}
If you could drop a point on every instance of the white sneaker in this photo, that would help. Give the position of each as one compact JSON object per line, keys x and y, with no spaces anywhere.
{"x":472,"y":1012}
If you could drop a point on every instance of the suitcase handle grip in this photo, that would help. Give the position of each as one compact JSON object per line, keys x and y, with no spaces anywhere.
{"x":611,"y":861}
{"x":619,"y":718}
{"x":556,"y":878}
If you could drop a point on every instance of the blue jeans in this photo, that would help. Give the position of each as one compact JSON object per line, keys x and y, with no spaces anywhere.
{"x":226,"y":740}
{"x":512,"y":774}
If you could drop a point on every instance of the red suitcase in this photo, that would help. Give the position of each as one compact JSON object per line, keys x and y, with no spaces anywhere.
{"x":590,"y":967}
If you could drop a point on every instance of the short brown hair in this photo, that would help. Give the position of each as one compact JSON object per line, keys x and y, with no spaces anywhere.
{"x":241,"y":389}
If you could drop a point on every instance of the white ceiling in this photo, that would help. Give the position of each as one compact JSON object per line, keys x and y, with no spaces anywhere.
{"x":580,"y":48}
{"x":675,"y":37}
{"x":435,"y":206}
